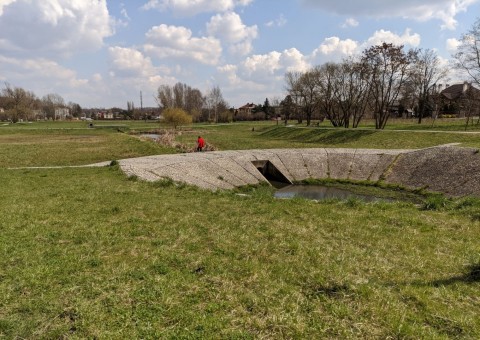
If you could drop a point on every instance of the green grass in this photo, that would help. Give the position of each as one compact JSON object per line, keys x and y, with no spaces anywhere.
{"x":62,"y":147}
{"x":268,"y":136}
{"x":88,"y":253}
{"x":73,"y":143}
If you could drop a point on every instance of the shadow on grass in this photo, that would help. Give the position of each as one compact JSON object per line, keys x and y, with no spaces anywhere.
{"x":332,"y":290}
{"x":472,"y":276}
{"x":317,"y":135}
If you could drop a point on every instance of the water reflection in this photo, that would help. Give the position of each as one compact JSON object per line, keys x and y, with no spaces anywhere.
{"x":150,"y":135}
{"x":321,"y":192}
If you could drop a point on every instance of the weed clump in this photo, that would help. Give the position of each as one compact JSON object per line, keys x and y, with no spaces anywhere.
{"x":164,"y":183}
{"x":435,"y":202}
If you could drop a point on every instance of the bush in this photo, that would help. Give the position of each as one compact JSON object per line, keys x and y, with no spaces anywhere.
{"x":176,"y":117}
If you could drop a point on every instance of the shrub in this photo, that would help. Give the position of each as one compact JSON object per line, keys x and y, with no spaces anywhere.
{"x":176,"y":117}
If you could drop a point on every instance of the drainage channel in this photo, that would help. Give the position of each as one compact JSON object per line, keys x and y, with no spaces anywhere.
{"x":286,"y":189}
{"x":272,"y":174}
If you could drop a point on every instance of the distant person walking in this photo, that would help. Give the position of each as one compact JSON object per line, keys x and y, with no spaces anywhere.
{"x":200,"y":143}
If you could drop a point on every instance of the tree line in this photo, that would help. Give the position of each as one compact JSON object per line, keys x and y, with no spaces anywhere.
{"x":377,"y":82}
{"x":380,"y":82}
{"x":20,"y":104}
{"x":182,"y":104}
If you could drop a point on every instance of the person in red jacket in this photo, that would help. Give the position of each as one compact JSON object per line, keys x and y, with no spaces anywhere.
{"x":200,"y":143}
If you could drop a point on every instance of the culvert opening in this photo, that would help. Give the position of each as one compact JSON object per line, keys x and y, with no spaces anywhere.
{"x":272,"y":174}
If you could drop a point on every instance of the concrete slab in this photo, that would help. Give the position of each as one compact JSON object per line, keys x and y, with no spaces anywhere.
{"x":452,"y":170}
{"x":384,"y":162}
{"x":340,"y":162}
{"x":316,"y":161}
{"x":242,"y":175}
{"x":363,"y":164}
{"x":295,"y":163}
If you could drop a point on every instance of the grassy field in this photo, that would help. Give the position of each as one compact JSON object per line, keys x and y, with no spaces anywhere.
{"x":56,"y":147}
{"x":89,"y":253}
{"x":238,"y":137}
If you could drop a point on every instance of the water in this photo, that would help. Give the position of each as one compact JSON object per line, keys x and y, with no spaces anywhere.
{"x":321,"y":192}
{"x":151,"y":136}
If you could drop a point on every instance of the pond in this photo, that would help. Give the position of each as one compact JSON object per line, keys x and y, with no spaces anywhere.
{"x":151,"y":136}
{"x":321,"y":192}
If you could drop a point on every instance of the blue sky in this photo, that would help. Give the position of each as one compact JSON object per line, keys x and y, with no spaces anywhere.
{"x":103,"y":53}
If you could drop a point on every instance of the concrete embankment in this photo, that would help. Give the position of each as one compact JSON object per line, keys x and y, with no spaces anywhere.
{"x":452,"y":170}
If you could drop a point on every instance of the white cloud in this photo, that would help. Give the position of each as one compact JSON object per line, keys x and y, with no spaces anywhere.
{"x":334,"y":49}
{"x":177,"y":42}
{"x":4,"y":3}
{"x":452,"y":45}
{"x":132,"y":72}
{"x":233,"y":81}
{"x":193,"y":7}
{"x":406,"y":38}
{"x":126,"y":18}
{"x":262,"y":65}
{"x":41,"y":76}
{"x":264,"y":68}
{"x":350,"y":22}
{"x":335,"y":45}
{"x":293,"y":60}
{"x":130,"y":62}
{"x":243,"y":90}
{"x":230,"y":28}
{"x":53,"y":27}
{"x":264,"y":73}
{"x":443,"y":10}
{"x":279,"y":22}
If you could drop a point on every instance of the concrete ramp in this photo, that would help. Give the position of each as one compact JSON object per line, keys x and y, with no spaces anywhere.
{"x":452,"y":170}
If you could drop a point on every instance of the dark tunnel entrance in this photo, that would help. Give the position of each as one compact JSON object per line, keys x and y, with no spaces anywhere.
{"x":272,"y":174}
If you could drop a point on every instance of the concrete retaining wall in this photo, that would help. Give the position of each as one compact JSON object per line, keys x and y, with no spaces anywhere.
{"x":451,"y":170}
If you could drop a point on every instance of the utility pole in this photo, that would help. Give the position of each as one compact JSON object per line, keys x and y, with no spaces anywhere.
{"x":141,"y":106}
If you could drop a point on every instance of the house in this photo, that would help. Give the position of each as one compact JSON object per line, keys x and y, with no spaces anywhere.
{"x":62,"y":113}
{"x":247,"y":109}
{"x":460,"y":99}
{"x":108,"y":115}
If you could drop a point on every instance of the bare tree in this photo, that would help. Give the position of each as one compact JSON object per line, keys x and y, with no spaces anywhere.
{"x":215,"y":103}
{"x":179,"y":91}
{"x":387,"y":65}
{"x":292,"y":80}
{"x":19,"y":102}
{"x":181,"y":96}
{"x":327,"y":80}
{"x":131,"y":110}
{"x":352,"y":91}
{"x":303,"y":88}
{"x":468,"y":54}
{"x":50,"y":103}
{"x":165,"y":97}
{"x":426,"y":72}
{"x":470,"y":103}
{"x":194,"y":102}
{"x":75,"y":109}
{"x":288,"y":108}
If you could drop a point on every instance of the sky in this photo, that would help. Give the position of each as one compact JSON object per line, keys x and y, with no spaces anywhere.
{"x":105,"y":53}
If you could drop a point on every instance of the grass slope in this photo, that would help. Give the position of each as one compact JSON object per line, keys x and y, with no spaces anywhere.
{"x":268,"y":136}
{"x":88,"y":253}
{"x":57,"y":147}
